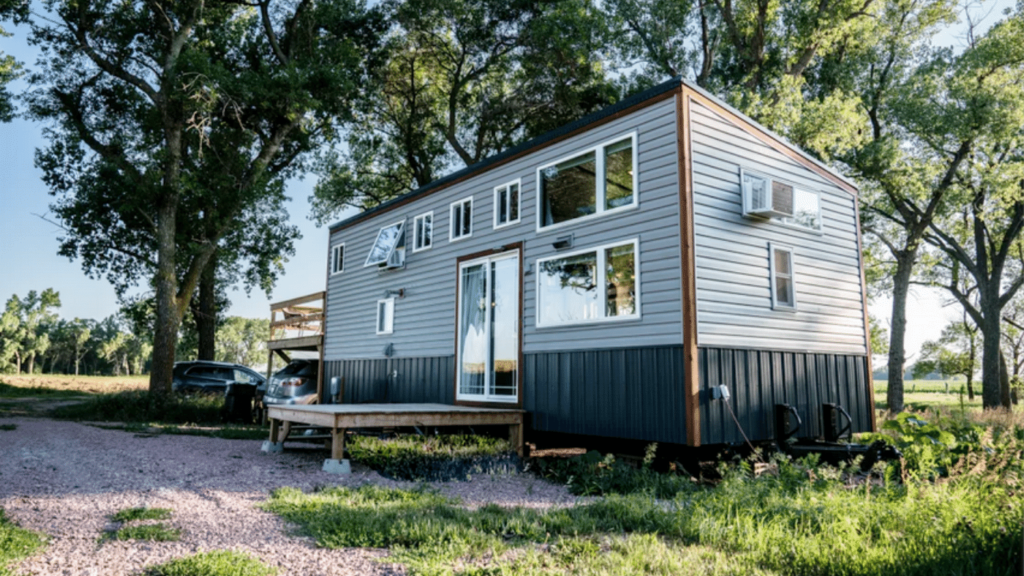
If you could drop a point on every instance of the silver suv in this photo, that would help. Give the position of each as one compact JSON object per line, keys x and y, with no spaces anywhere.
{"x":293,"y":384}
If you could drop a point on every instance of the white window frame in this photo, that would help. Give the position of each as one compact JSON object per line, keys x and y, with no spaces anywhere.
{"x":601,"y":272}
{"x":389,"y":316}
{"x":772,"y":249}
{"x":416,"y":223}
{"x":393,"y":248}
{"x":599,"y":168}
{"x":518,"y":183}
{"x":820,"y":230}
{"x":451,"y":227}
{"x":337,"y":264}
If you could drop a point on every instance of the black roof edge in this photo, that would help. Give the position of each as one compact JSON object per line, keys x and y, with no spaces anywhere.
{"x":583,"y":122}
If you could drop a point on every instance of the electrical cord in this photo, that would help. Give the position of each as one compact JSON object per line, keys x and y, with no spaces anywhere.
{"x":734,"y":419}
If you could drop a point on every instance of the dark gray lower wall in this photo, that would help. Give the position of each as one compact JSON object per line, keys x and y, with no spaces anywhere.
{"x":634,"y":393}
{"x":758,"y":380}
{"x":637,"y":393}
{"x":400,"y":380}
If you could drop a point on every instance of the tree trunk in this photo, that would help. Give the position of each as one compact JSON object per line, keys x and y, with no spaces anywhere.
{"x":206,"y":319}
{"x":32,"y":363}
{"x":1004,"y":382}
{"x":897,"y":350}
{"x":991,"y":386}
{"x":168,"y":315}
{"x":970,"y":387}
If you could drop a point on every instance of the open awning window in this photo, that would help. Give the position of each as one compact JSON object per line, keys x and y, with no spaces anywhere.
{"x":388,"y":239}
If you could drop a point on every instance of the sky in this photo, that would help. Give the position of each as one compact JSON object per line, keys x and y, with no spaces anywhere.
{"x":29,"y":244}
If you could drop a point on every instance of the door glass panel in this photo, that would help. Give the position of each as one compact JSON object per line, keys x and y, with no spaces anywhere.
{"x":473,"y":339}
{"x":504,"y":327}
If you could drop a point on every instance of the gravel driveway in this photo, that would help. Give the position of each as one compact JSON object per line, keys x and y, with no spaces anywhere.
{"x":64,"y":479}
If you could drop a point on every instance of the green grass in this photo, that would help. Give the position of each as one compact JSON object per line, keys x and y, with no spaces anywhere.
{"x":445,"y":457}
{"x":159,"y":532}
{"x":929,"y":394}
{"x":133,"y":514}
{"x":786,"y":524}
{"x":143,"y":407}
{"x":15,"y":543}
{"x":216,"y":563}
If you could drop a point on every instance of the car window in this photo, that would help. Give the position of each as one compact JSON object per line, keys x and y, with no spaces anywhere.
{"x":241,"y":376}
{"x":308,"y":369}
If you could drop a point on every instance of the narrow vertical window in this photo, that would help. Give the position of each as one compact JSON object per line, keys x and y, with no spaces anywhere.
{"x":423,"y":232}
{"x":337,"y":259}
{"x":506,"y":204}
{"x":781,"y":270}
{"x":386,"y":316}
{"x":461,"y":224}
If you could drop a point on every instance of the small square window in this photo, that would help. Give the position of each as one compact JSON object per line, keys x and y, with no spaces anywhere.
{"x":386,"y":316}
{"x":506,"y":204}
{"x":461,"y":219}
{"x":781,"y":271}
{"x":423,"y":232}
{"x":337,"y":259}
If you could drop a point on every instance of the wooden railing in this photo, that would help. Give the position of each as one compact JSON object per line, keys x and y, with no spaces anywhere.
{"x":297,"y":319}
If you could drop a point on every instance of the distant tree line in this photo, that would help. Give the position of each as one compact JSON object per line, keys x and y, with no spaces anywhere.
{"x":34,"y":339}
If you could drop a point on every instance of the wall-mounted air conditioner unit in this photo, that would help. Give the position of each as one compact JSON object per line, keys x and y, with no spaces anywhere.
{"x":766,"y":198}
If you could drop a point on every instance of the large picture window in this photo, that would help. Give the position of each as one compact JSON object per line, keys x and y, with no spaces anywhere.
{"x":591,"y":183}
{"x":596,"y":285}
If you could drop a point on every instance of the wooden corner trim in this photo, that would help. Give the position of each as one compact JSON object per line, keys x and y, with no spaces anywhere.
{"x":867,"y":321}
{"x":766,"y":138}
{"x":691,"y":370}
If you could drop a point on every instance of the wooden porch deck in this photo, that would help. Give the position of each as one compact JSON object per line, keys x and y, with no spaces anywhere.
{"x":339,"y":417}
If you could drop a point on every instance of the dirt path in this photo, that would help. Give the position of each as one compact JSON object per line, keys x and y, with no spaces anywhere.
{"x":65,"y":479}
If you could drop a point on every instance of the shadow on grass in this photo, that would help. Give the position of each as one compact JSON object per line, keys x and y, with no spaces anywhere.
{"x":9,"y":391}
{"x":143,"y":407}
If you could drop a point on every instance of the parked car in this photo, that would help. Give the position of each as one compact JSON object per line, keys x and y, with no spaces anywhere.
{"x":293,"y":384}
{"x":205,"y":377}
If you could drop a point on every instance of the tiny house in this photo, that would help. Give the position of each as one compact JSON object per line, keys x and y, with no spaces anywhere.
{"x":610,"y":277}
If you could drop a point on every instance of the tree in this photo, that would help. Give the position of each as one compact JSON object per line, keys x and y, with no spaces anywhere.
{"x":904,"y":190}
{"x":243,"y":341}
{"x":9,"y":68}
{"x":955,"y":353}
{"x":38,"y":311}
{"x":10,"y":334}
{"x":766,"y":58}
{"x":458,"y":81}
{"x":981,"y":239}
{"x":171,"y":121}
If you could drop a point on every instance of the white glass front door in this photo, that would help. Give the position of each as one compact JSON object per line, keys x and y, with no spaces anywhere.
{"x":488,"y":338}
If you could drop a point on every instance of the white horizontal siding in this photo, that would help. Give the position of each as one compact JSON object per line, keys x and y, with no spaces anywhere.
{"x":732,"y":258}
{"x":424,"y":322}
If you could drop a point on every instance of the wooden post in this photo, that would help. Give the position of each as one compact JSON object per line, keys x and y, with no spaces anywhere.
{"x":275,"y":426}
{"x":338,"y":444}
{"x":515,"y":437}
